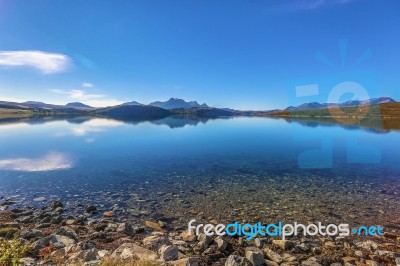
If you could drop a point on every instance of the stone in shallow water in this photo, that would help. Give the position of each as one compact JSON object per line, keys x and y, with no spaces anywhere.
{"x":39,"y":199}
{"x":153,"y":225}
{"x":108,"y":214}
{"x":90,"y":208}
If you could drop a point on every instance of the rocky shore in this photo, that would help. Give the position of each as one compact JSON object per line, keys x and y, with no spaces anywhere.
{"x":56,"y":236}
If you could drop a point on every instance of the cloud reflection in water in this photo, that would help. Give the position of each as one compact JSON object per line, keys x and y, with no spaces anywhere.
{"x":49,"y":162}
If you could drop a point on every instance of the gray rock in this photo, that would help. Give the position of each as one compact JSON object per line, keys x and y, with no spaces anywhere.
{"x":90,"y":209}
{"x":283,"y":244}
{"x":255,"y":256}
{"x":46,"y":219}
{"x":27,"y":261}
{"x":61,"y":241}
{"x":260,"y":242}
{"x":168,"y":253}
{"x":205,"y":238}
{"x":155,"y":242}
{"x":68,"y":232}
{"x":40,"y":243}
{"x":43,"y":225}
{"x":91,"y":255}
{"x":221,"y":243}
{"x":302,"y":248}
{"x":56,"y":220}
{"x":373,"y":263}
{"x":25,"y":219}
{"x":234,"y":260}
{"x":56,"y":204}
{"x":272,"y":255}
{"x":271,"y":263}
{"x":30,"y":234}
{"x":133,"y":251}
{"x":126,"y":228}
{"x":191,"y":261}
{"x":310,"y":263}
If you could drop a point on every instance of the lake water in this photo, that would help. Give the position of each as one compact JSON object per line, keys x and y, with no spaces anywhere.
{"x":240,"y":168}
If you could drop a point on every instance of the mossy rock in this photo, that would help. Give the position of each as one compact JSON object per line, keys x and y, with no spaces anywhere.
{"x":8,"y":232}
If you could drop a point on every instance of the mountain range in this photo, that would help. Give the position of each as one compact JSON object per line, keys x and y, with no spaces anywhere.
{"x":173,"y":106}
{"x":175,"y":103}
{"x":316,"y":105}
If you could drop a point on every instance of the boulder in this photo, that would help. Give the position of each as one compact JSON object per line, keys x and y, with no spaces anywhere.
{"x":255,"y":256}
{"x":168,"y":253}
{"x":155,"y":242}
{"x":132,"y":251}
{"x":234,"y":260}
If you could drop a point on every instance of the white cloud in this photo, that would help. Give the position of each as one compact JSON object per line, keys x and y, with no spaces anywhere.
{"x":81,"y":95}
{"x":95,"y":100}
{"x":49,"y":162}
{"x":47,"y":63}
{"x":87,"y":85}
{"x":103,"y":103}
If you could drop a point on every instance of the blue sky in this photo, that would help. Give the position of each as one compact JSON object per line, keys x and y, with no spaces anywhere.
{"x":239,"y":54}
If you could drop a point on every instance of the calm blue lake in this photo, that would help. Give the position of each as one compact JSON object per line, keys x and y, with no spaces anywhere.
{"x":180,"y":164}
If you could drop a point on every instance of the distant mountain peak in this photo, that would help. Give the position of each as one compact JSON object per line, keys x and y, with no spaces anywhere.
{"x":132,"y":103}
{"x":77,"y":105}
{"x":176,"y":103}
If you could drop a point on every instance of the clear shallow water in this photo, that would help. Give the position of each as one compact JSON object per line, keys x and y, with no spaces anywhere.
{"x":179,"y":165}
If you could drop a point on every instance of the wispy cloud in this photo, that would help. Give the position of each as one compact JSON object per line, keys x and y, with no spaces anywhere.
{"x":49,"y":162}
{"x":47,"y":63}
{"x":310,"y":4}
{"x":87,"y":85}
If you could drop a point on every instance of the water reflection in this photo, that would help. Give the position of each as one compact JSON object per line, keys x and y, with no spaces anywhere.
{"x":48,"y":162}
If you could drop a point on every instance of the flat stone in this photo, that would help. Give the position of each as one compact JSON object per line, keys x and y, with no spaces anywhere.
{"x":272,"y":255}
{"x":153,"y":225}
{"x":188,"y":238}
{"x":133,"y":251}
{"x":60,"y":240}
{"x":155,"y":242}
{"x":271,"y":263}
